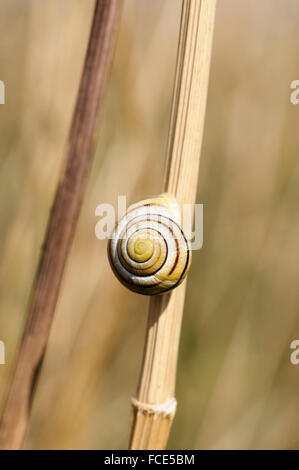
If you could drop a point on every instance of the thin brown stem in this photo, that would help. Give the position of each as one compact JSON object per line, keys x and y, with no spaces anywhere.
{"x":62,"y":224}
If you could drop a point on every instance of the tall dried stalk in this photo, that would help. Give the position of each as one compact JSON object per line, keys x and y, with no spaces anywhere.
{"x":62,"y":224}
{"x":154,"y":405}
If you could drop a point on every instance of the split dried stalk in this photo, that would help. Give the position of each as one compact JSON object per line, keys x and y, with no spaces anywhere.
{"x":154,"y":405}
{"x":62,"y":224}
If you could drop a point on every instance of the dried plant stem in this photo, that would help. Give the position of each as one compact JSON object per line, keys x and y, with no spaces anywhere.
{"x":154,"y":405}
{"x":62,"y":224}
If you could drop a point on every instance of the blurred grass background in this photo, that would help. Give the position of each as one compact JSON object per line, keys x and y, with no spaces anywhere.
{"x":236,"y":387}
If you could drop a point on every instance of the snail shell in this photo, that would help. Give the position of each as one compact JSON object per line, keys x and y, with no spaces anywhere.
{"x":148,"y":250}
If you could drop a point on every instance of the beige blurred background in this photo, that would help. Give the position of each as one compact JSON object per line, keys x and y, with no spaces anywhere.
{"x":236,"y":387}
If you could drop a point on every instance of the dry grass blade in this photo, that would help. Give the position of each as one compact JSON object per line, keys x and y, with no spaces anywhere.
{"x":62,"y":224}
{"x":154,"y":406}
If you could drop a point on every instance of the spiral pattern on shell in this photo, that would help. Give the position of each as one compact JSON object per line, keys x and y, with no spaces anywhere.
{"x":148,"y":250}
